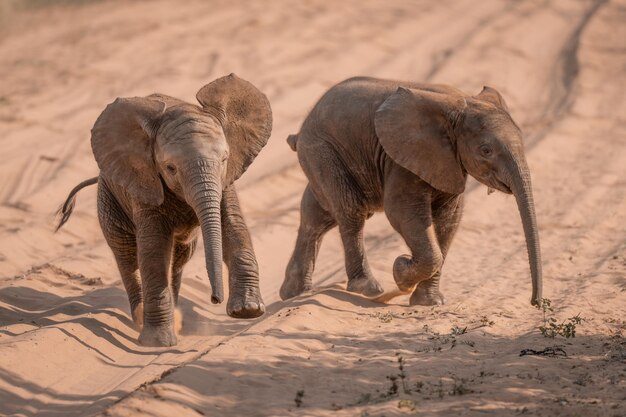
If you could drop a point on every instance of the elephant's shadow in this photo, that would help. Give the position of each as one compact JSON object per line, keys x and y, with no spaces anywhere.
{"x":96,"y":310}
{"x":335,"y":291}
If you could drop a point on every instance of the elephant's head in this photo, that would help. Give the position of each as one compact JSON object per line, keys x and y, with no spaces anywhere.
{"x":442,"y":136}
{"x":143,"y":144}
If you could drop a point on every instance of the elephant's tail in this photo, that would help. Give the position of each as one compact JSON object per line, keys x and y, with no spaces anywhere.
{"x":65,"y":211}
{"x":292,"y":140}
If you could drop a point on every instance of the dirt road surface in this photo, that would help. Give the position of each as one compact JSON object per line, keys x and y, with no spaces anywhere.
{"x":67,"y":346}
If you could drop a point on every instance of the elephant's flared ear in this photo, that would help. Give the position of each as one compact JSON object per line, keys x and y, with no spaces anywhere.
{"x":245,"y":115}
{"x":413,"y":129}
{"x":121,"y":140}
{"x":491,"y":95}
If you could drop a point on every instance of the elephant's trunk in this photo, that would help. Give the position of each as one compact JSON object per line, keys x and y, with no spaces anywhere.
{"x":521,"y":187}
{"x":204,"y":194}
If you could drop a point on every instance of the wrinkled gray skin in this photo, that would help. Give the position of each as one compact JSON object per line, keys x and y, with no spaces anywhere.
{"x":167,"y":167}
{"x":371,"y":145}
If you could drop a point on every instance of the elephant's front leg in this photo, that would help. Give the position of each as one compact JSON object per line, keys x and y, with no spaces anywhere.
{"x":446,"y":217}
{"x":244,"y":299}
{"x":154,"y":250}
{"x":411,"y":216}
{"x":183,"y":251}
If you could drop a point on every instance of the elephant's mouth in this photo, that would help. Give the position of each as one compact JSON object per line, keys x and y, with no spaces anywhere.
{"x":495,"y":184}
{"x":500,"y":186}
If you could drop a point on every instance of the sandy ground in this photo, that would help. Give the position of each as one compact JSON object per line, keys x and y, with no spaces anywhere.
{"x":66,"y":342}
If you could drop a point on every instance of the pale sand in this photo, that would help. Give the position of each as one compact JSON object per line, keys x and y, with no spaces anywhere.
{"x":67,"y":346}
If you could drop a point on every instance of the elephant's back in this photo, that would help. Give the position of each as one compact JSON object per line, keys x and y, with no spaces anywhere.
{"x":343,"y":120}
{"x":346,"y":111}
{"x":338,"y":141}
{"x":388,"y":86}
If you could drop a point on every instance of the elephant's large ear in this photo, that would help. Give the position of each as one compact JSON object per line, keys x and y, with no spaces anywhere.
{"x":491,"y":95}
{"x":245,"y":115}
{"x":122,"y":140}
{"x":413,"y":129}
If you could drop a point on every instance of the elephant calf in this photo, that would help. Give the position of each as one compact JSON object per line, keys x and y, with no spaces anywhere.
{"x":167,"y":167}
{"x":371,"y":145}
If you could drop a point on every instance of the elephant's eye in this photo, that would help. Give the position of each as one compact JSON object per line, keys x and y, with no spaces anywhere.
{"x":171,"y":169}
{"x":485,"y":150}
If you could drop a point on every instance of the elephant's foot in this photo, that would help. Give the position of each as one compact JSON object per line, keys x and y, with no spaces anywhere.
{"x":404,"y":273}
{"x":158,"y":336}
{"x":368,"y":286}
{"x":407,"y":272}
{"x":427,"y":294}
{"x":137,"y":315}
{"x":294,"y":286}
{"x":245,"y":304}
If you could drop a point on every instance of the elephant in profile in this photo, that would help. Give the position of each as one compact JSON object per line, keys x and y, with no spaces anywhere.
{"x":167,"y":167}
{"x":406,"y":148}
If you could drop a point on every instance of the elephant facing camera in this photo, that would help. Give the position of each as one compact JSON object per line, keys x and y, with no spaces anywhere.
{"x":167,"y":172}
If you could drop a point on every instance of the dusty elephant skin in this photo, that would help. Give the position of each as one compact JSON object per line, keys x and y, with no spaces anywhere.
{"x":167,"y":167}
{"x":406,"y":148}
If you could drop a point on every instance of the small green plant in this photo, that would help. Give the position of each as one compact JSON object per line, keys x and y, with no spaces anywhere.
{"x":418,"y":386}
{"x":383,"y":317}
{"x":583,"y":380}
{"x":551,"y":327}
{"x":392,"y":391}
{"x":402,"y":374}
{"x":400,"y":377}
{"x":439,"y":389}
{"x":485,"y":321}
{"x":299,"y":397}
{"x":457,"y":331}
{"x":459,"y":387}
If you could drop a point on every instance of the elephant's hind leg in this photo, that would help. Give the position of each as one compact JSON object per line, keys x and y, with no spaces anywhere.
{"x":314,"y":223}
{"x":126,"y":258}
{"x":183,"y":251}
{"x":446,"y":218}
{"x":119,"y":234}
{"x":360,"y":278}
{"x":125,"y":252}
